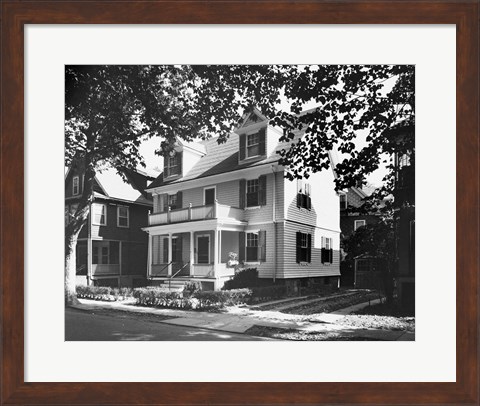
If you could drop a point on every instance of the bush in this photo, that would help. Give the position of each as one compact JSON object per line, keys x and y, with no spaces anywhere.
{"x":191,"y":287}
{"x":159,"y":297}
{"x":269,"y":292}
{"x":103,"y":293}
{"x":218,"y":299}
{"x":246,"y":278}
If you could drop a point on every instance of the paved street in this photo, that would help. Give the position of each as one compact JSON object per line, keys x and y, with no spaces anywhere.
{"x":111,"y":325}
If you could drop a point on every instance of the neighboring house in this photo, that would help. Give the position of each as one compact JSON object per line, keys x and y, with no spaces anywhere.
{"x":216,"y":202}
{"x":404,"y":194}
{"x":364,"y":271}
{"x":112,"y":248}
{"x":350,"y":219}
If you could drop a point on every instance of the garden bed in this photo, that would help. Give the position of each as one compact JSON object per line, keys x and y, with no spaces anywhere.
{"x":379,"y":322}
{"x":332,"y":304}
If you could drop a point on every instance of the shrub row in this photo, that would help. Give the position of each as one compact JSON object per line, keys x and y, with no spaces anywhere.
{"x":158,"y":297}
{"x":103,"y":293}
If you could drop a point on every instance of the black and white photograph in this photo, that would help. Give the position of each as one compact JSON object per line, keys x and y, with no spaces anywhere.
{"x":239,"y":202}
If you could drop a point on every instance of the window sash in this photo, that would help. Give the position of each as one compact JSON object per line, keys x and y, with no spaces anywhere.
{"x":173,"y":165}
{"x":253,"y":145}
{"x":172,"y":201}
{"x":123,"y":216}
{"x":358,"y":224}
{"x":99,"y":214}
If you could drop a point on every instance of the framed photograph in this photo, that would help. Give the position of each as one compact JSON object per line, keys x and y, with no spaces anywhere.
{"x":178,"y":234}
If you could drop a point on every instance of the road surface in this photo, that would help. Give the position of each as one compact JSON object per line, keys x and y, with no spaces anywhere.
{"x":111,"y":325}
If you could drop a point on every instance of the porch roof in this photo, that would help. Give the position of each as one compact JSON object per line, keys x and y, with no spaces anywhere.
{"x":200,"y":225}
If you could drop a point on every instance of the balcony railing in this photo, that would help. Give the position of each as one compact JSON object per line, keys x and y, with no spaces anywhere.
{"x":214,"y":211}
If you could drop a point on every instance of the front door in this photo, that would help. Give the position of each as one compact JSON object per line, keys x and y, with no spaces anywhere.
{"x":203,"y":249}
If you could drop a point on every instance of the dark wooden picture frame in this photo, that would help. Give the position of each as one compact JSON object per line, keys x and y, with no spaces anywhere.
{"x":15,"y":14}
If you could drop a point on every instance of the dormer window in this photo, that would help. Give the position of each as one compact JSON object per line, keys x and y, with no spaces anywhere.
{"x":252,"y":144}
{"x":173,"y":164}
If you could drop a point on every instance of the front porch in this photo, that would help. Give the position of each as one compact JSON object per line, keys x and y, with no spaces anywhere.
{"x":202,"y":255}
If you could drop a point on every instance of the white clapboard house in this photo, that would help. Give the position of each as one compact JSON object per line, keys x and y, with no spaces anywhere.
{"x":218,"y":204}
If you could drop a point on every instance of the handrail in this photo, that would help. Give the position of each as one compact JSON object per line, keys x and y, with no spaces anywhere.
{"x":175,"y":274}
{"x":161,"y":270}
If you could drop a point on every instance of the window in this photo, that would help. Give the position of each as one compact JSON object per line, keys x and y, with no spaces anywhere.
{"x":252,"y":247}
{"x":176,"y":249}
{"x":122,"y":216}
{"x":99,"y":214}
{"x":327,"y":250}
{"x":173,"y":164}
{"x":303,"y":195}
{"x":209,"y":196}
{"x":252,"y":192}
{"x":76,"y":185}
{"x":70,"y":211}
{"x":172,"y":201}
{"x":304,"y":247}
{"x":253,"y":145}
{"x":357,"y":224}
{"x":343,"y":202}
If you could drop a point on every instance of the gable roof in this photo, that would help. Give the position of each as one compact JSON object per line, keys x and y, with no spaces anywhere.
{"x":115,"y":187}
{"x":220,"y":158}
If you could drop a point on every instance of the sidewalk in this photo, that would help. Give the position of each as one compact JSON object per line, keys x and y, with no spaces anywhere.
{"x":239,"y":320}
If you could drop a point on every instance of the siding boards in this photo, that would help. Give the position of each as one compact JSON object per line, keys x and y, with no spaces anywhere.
{"x":292,"y":269}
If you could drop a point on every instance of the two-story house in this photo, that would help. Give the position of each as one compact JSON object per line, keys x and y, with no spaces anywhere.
{"x":215,"y":202}
{"x":111,"y":248}
{"x":363,"y":271}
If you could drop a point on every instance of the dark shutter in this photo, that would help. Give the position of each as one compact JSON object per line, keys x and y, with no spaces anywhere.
{"x":323,"y":255}
{"x":299,"y":246}
{"x":309,"y":249}
{"x":330,"y":255}
{"x":309,"y":203}
{"x":242,"y":146}
{"x":242,"y":193}
{"x":262,"y":244}
{"x":179,"y":200}
{"x":241,"y":246}
{"x":179,"y":162}
{"x":262,"y":140}
{"x":262,"y":193}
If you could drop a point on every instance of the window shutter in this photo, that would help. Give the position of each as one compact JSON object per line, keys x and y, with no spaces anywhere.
{"x":331,"y":256}
{"x":323,"y":255}
{"x":180,"y":161}
{"x":309,"y":244}
{"x":262,"y":242}
{"x":309,"y":203}
{"x":241,"y":246}
{"x":262,"y":193}
{"x":166,"y":172}
{"x":299,"y":245}
{"x":242,"y":193}
{"x":243,"y":146}
{"x":262,"y":140}
{"x":299,"y":191}
{"x":179,"y":200}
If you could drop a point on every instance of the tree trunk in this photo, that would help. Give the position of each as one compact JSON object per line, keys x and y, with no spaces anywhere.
{"x":72,"y":231}
{"x":71,"y":269}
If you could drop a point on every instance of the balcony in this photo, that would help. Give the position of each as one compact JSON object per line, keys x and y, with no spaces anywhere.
{"x":214,"y":211}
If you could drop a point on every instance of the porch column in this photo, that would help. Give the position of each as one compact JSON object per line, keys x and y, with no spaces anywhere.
{"x":216,"y":251}
{"x":149,"y":256}
{"x":169,"y":254}
{"x":192,"y":254}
